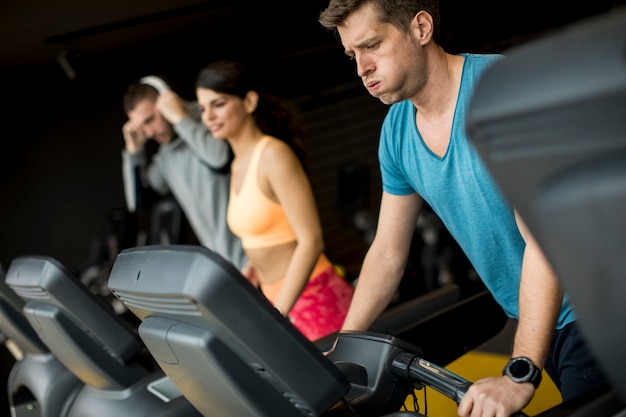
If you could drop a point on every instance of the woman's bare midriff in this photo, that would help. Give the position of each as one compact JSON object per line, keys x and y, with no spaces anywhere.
{"x":271,"y":263}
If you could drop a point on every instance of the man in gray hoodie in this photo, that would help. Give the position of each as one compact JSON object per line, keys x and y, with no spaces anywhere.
{"x":189,"y":163}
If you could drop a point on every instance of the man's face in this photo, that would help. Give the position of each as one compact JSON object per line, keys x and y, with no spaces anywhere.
{"x":146,"y":117}
{"x":387,"y":60}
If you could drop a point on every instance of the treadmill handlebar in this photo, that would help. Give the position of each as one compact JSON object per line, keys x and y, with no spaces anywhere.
{"x":422,"y":372}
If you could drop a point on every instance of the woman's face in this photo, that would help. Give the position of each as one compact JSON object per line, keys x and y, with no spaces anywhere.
{"x":224,"y":114}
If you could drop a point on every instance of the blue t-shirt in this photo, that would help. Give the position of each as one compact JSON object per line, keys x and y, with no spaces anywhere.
{"x":460,"y":190}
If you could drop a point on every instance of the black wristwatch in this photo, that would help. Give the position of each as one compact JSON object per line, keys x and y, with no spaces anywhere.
{"x":521,"y":370}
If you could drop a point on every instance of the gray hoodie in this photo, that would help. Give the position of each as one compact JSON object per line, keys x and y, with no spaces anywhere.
{"x":191,"y":167}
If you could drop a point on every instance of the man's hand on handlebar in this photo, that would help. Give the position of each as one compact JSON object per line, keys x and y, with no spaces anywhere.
{"x":495,"y":397}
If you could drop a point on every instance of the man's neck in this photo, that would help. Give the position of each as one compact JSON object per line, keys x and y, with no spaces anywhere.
{"x":442,"y":88}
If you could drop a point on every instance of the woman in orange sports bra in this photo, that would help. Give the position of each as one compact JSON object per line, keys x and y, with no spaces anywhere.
{"x":272,"y":207}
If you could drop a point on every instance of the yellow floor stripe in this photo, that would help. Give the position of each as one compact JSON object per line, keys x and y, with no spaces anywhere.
{"x":475,"y":365}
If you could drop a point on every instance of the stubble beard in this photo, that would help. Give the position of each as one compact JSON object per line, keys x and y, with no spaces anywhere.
{"x":391,"y":97}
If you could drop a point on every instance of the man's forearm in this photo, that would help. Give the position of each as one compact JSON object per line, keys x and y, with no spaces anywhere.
{"x":374,"y":291}
{"x":540,"y":302}
{"x":215,"y":153}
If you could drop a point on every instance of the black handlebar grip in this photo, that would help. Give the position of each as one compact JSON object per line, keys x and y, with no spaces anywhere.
{"x":420,"y":371}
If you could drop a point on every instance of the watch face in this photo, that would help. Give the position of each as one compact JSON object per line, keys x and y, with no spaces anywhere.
{"x":520,"y":368}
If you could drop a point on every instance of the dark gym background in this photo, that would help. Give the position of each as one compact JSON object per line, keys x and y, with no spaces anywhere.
{"x":64,"y":66}
{"x":60,"y":174}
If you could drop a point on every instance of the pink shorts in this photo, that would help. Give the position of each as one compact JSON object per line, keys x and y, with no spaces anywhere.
{"x":323,"y":305}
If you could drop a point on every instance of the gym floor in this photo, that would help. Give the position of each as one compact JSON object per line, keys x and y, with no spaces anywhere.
{"x":486,"y":360}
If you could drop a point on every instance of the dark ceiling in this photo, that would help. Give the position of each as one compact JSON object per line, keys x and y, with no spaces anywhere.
{"x":78,"y":40}
{"x":36,"y":31}
{"x":60,"y":175}
{"x":39,"y":32}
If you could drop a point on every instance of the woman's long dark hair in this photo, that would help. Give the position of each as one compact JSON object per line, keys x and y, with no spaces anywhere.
{"x":272,"y":116}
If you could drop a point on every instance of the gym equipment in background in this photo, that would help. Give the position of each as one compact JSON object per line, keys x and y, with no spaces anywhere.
{"x":97,"y":346}
{"x":38,"y":384}
{"x":218,"y":338}
{"x":231,"y":353}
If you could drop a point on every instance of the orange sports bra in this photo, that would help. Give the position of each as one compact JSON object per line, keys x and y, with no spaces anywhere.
{"x":256,"y":219}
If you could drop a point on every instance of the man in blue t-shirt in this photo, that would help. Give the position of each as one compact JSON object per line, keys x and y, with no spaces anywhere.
{"x":425,"y":155}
